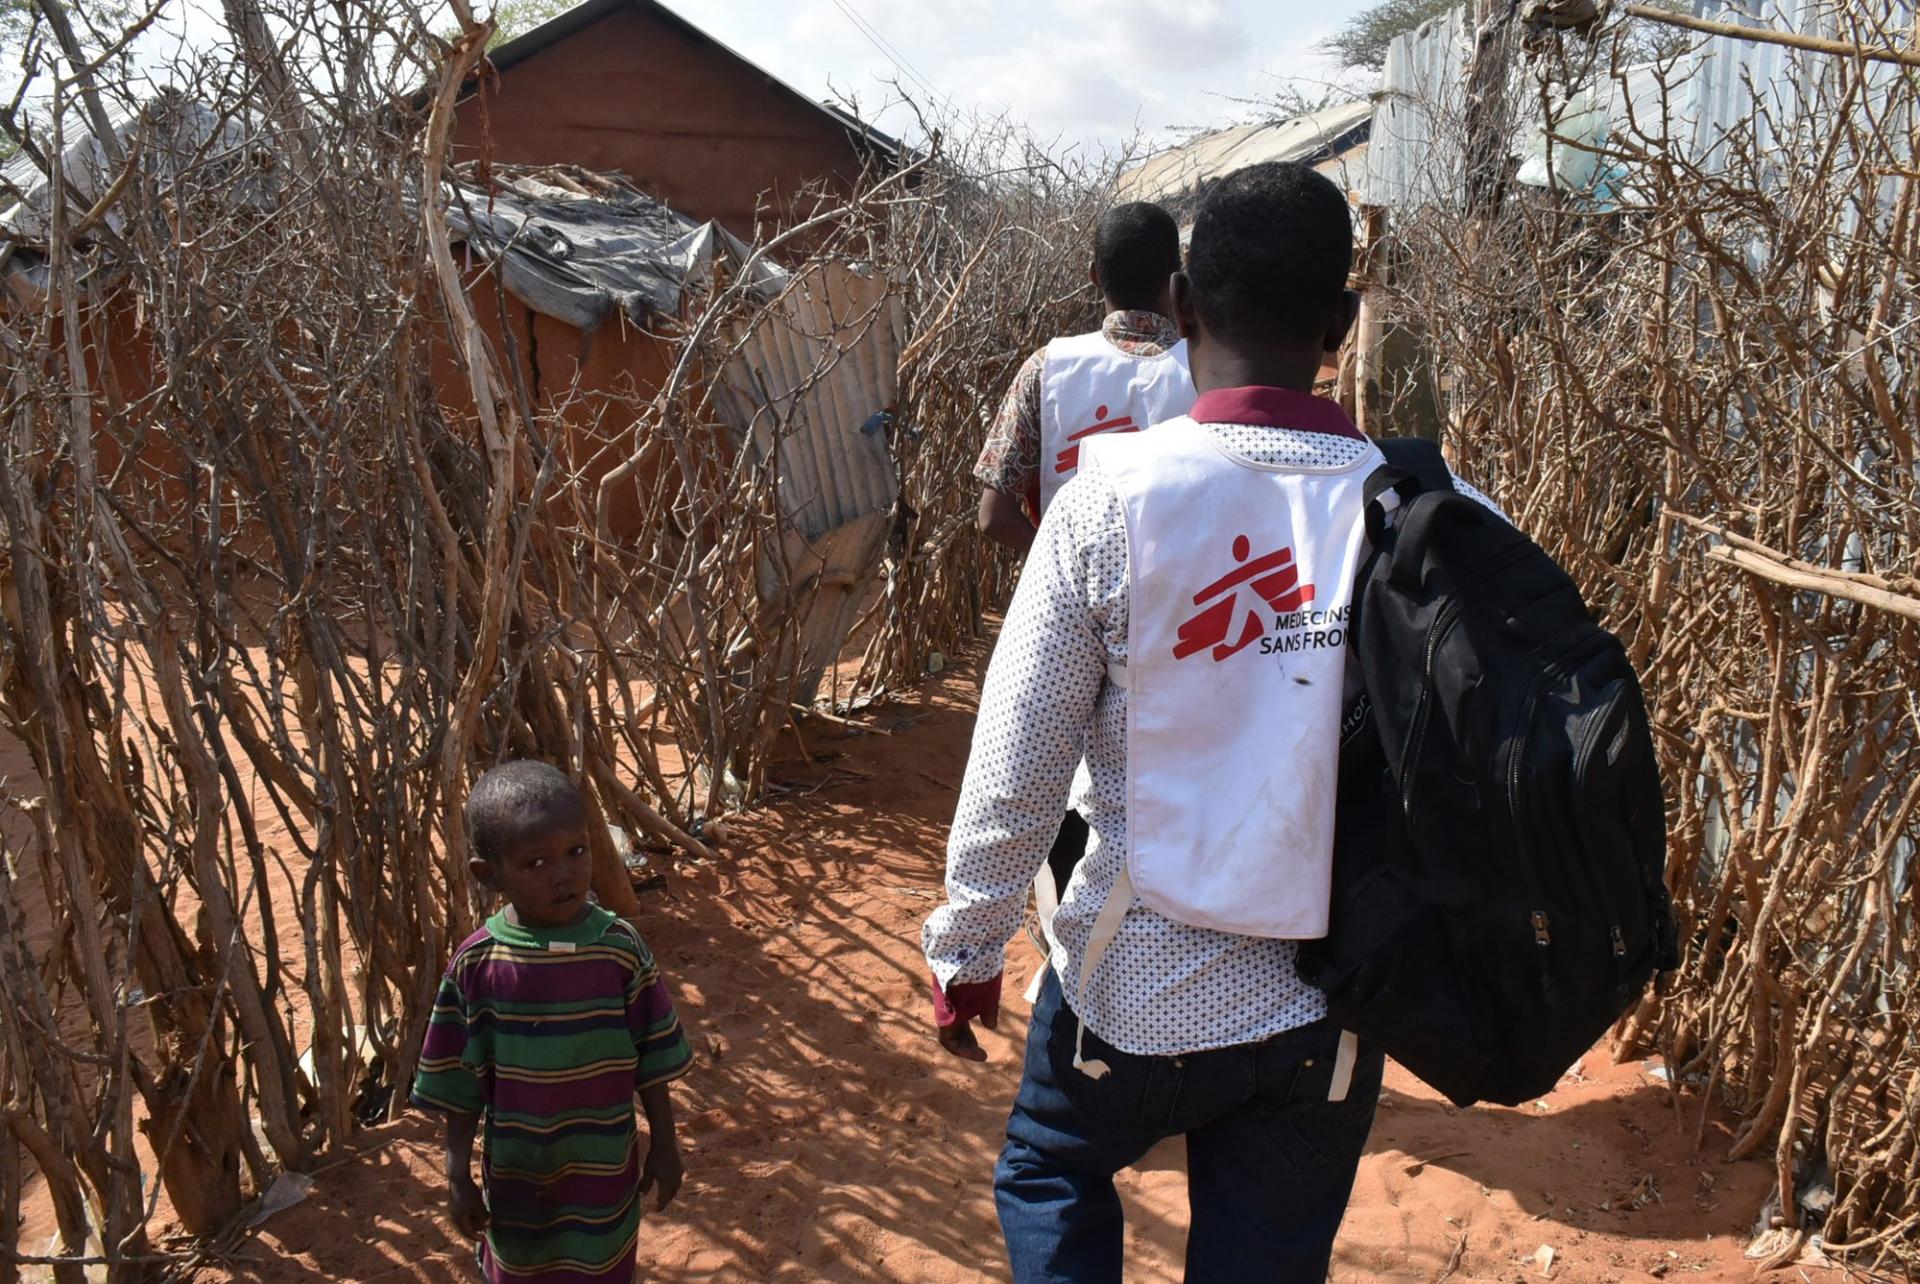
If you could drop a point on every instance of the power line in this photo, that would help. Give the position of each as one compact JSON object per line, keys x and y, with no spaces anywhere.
{"x":891,"y":47}
{"x":887,"y":50}
{"x":880,"y":42}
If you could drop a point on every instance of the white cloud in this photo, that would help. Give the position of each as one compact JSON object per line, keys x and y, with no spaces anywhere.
{"x":1164,"y":36}
{"x":903,"y":20}
{"x":1087,"y":70}
{"x":818,"y":22}
{"x":1054,"y":91}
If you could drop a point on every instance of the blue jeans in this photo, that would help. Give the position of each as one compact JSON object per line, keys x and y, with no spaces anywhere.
{"x":1270,"y":1161}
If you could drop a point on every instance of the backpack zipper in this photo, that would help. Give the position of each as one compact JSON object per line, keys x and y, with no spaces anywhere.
{"x":1516,"y":757}
{"x":1542,"y":937}
{"x":1415,"y":737}
{"x":1590,"y":736}
{"x":1435,"y":635}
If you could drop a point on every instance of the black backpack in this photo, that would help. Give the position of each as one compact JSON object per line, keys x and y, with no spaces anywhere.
{"x":1499,"y":893}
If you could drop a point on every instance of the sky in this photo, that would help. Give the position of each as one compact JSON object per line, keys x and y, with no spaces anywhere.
{"x":1092,"y":74}
{"x":1087,"y":72}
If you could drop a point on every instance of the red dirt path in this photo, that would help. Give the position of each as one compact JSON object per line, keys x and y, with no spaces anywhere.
{"x":827,"y":1139}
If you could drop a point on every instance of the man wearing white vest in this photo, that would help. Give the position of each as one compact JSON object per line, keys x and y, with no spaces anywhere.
{"x":1181,"y":622}
{"x":1129,"y":373}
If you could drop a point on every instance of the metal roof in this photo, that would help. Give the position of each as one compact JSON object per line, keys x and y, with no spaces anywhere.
{"x":175,"y":135}
{"x":579,"y":246}
{"x":1316,"y":137}
{"x":581,"y":16}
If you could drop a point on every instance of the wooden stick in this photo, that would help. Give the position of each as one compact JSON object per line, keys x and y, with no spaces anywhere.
{"x":1770,"y":36}
{"x":1834,"y":584}
{"x":652,"y":820}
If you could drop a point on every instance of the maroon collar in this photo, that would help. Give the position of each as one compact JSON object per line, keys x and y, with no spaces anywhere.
{"x":1274,"y":408}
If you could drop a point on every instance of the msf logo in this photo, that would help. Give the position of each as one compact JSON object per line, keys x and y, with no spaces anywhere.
{"x":1069,"y":459}
{"x":1274,"y":576}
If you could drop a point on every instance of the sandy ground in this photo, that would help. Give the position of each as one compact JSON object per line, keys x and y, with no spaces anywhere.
{"x":828,"y":1139}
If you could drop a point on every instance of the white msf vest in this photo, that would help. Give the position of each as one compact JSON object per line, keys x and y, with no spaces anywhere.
{"x":1089,"y":388}
{"x":1240,"y":579}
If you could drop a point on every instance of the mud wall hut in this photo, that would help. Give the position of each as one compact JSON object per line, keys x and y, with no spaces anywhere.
{"x":628,"y":86}
{"x":585,"y":284}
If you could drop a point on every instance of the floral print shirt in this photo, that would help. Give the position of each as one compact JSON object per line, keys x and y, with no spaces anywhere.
{"x":1010,"y":461}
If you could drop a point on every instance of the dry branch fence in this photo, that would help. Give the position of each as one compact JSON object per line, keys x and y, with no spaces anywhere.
{"x":292,"y":550}
{"x":1696,"y":383}
{"x":274,"y":588}
{"x":995,"y":267}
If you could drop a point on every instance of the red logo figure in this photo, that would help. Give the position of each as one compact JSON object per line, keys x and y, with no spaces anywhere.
{"x":1275,"y":577}
{"x":1069,"y":459}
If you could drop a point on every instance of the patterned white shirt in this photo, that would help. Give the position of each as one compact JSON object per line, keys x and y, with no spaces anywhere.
{"x":1163,"y":987}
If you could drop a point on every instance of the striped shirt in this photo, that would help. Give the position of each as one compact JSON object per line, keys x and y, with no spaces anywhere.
{"x":547,"y":1035}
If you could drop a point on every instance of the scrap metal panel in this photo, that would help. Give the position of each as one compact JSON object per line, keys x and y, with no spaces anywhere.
{"x":1414,"y":155}
{"x":1731,"y":77}
{"x":809,"y":390}
{"x":1774,"y":103}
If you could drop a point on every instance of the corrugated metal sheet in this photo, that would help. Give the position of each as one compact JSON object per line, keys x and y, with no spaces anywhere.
{"x":1761,"y":91}
{"x":1181,"y":170}
{"x":1348,"y":170}
{"x":806,"y":386}
{"x":176,"y":135}
{"x":1722,"y":89}
{"x":832,"y":576}
{"x":809,"y":390}
{"x":1730,"y":76}
{"x":1414,"y":156}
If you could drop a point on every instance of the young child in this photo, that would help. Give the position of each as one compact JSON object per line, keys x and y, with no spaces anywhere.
{"x":549,"y":1021}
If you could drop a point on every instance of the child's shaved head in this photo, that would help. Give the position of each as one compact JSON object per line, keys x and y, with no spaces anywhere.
{"x":1271,"y":250}
{"x":516,"y":798}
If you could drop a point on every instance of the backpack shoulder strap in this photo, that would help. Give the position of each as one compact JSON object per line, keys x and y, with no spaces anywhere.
{"x":1414,"y":466}
{"x":1418,"y":458}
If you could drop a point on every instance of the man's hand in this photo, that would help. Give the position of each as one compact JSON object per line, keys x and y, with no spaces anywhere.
{"x":469,"y":1210}
{"x":664,"y":1169}
{"x":954,"y":1009}
{"x":1003,"y":519}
